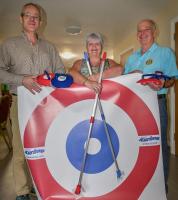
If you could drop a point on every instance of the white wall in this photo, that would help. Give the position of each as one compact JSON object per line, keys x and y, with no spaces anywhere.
{"x":163,"y":20}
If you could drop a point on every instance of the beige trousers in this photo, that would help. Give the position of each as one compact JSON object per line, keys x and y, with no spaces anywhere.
{"x":21,"y":175}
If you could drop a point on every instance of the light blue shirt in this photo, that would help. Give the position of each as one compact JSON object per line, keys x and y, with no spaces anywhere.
{"x":155,"y":59}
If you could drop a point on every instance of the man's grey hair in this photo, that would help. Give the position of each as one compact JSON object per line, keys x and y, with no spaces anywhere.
{"x":151,"y":22}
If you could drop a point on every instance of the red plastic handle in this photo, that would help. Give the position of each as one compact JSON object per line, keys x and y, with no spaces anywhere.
{"x":150,"y":80}
{"x":104,"y":56}
{"x":43,"y":79}
{"x":78,"y":189}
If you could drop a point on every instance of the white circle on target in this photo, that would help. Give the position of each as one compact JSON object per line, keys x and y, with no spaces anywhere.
{"x":94,"y":146}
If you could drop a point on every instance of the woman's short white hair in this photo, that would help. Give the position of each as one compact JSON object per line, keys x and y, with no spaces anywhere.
{"x":95,"y":36}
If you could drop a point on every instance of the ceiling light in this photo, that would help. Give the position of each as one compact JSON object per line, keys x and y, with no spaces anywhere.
{"x":73,"y":30}
{"x":67,"y":55}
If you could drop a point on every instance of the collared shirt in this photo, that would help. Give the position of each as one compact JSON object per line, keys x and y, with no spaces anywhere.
{"x":157,"y":58}
{"x":19,"y":58}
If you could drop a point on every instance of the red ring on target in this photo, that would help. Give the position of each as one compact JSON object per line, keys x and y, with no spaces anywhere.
{"x":35,"y":136}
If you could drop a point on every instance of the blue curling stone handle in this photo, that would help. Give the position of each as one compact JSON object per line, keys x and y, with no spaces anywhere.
{"x":62,"y":80}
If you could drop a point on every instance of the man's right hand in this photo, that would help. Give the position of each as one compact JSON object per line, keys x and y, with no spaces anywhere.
{"x":30,"y":83}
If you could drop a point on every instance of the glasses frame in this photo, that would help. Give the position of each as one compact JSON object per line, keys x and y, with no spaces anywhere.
{"x":29,"y":16}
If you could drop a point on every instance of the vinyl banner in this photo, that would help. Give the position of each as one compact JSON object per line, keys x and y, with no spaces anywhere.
{"x":54,"y":127}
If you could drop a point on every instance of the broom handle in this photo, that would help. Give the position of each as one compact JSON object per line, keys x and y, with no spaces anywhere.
{"x":91,"y":123}
{"x":103,"y":116}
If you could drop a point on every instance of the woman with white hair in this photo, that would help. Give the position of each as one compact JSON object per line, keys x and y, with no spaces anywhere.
{"x":80,"y":72}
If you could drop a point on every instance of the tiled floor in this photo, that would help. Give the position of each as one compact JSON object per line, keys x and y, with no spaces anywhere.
{"x":6,"y":177}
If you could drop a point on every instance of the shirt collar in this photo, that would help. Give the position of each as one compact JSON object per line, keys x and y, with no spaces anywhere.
{"x":25,"y":36}
{"x":152,"y":48}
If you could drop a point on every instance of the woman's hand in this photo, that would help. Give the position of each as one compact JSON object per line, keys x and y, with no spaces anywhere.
{"x":94,"y":77}
{"x":93,"y":85}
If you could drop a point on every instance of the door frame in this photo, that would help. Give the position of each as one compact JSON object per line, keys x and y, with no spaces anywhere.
{"x":131,"y":48}
{"x":172,"y":93}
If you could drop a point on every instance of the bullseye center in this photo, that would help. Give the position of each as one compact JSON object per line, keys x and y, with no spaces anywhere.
{"x":94,"y":146}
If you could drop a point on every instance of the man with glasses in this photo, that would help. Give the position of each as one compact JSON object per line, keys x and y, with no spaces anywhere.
{"x":148,"y":59}
{"x":22,"y":58}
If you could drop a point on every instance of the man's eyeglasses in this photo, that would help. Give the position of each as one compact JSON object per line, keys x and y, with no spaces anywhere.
{"x":29,"y":16}
{"x":145,"y":30}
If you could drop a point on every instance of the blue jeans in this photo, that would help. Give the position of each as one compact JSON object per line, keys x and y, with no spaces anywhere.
{"x":164,"y":125}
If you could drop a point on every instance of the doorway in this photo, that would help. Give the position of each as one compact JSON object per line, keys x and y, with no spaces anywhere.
{"x":176,"y":91}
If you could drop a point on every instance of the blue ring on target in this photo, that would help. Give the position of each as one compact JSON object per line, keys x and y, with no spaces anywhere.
{"x":75,"y":147}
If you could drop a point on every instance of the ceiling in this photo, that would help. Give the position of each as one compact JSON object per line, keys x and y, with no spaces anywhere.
{"x":113,"y":18}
